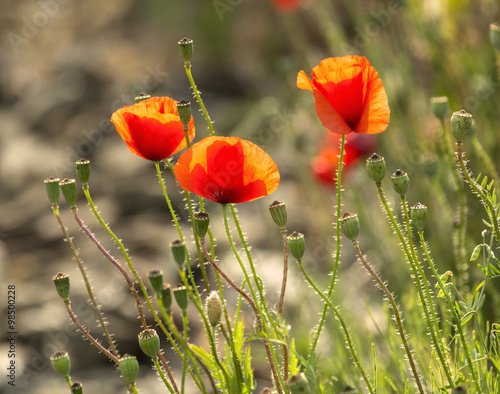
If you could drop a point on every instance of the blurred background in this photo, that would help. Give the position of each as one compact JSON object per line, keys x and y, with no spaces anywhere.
{"x":66,"y":65}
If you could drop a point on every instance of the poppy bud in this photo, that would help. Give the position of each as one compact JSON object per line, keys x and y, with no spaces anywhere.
{"x":178,"y":249}
{"x":298,"y":384}
{"x":461,"y":125}
{"x":83,"y":171}
{"x":495,"y":35}
{"x":149,"y":341}
{"x":418,"y":215}
{"x":61,"y":282}
{"x":141,"y":97}
{"x":375,"y":166}
{"x":184,"y":110}
{"x":440,"y":107}
{"x":187,"y":47}
{"x":278,"y":213}
{"x":76,"y":388}
{"x":400,"y":182}
{"x":53,"y":189}
{"x":156,"y":280}
{"x":166,"y":296}
{"x":61,"y":363}
{"x":68,"y":189}
{"x":349,"y":223}
{"x":214,"y":308}
{"x":129,"y":367}
{"x":180,"y":295}
{"x":200,"y":223}
{"x":297,"y":245}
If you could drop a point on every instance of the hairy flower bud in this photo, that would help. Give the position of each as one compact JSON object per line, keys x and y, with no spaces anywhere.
{"x":213,"y":306}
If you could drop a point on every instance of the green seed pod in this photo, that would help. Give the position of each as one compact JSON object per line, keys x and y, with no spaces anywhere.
{"x":141,"y":97}
{"x":400,"y":182}
{"x":495,"y":35}
{"x":440,"y":107}
{"x":278,"y":213}
{"x":68,"y":189}
{"x":298,"y":384}
{"x":76,"y":388}
{"x":149,"y":341}
{"x":184,"y":111}
{"x":297,"y":245}
{"x":461,"y":125}
{"x":187,"y":48}
{"x":83,"y":171}
{"x":349,"y":224}
{"x":61,"y":363}
{"x":129,"y":367}
{"x":181,"y":297}
{"x":213,"y":305}
{"x":375,"y":166}
{"x":53,"y":190}
{"x":166,"y":296}
{"x":178,"y":249}
{"x":62,"y":285}
{"x":418,"y":215}
{"x":156,"y":280}
{"x":200,"y":223}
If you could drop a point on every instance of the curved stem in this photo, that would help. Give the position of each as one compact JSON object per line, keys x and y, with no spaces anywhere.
{"x":397,"y":314}
{"x":162,"y":375}
{"x":337,"y":251}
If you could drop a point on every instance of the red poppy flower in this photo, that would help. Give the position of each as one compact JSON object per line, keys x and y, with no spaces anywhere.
{"x":227,"y":170}
{"x":325,"y":164}
{"x":152,"y":128}
{"x":286,"y":5}
{"x":349,"y":95}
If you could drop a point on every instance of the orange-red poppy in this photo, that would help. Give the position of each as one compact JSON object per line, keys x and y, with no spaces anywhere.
{"x":287,"y":5}
{"x":325,"y":164}
{"x":152,"y":128}
{"x":349,"y":95}
{"x":227,"y":170}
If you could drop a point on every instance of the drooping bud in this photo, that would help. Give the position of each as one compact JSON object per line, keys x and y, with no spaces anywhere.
{"x":187,"y":47}
{"x":76,"y":388}
{"x":61,"y":282}
{"x":461,"y":125}
{"x":495,"y":35}
{"x":68,"y":189}
{"x":297,"y":245}
{"x":149,"y":341}
{"x":156,"y":280}
{"x":418,"y":215}
{"x":213,"y":305}
{"x":181,"y":297}
{"x":83,"y":171}
{"x":141,"y":97}
{"x":278,"y":213}
{"x":184,"y":111}
{"x":375,"y":166}
{"x":129,"y":367}
{"x":178,"y":249}
{"x":201,"y":221}
{"x":53,"y":189}
{"x":440,"y":107}
{"x":166,"y":296}
{"x":61,"y":363}
{"x":298,"y":384}
{"x":349,"y":224}
{"x":400,"y":182}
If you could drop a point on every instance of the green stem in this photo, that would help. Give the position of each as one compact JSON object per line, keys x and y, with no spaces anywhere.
{"x":162,"y":375}
{"x":68,"y":380}
{"x":86,"y":281}
{"x":485,"y":158}
{"x":187,"y":66}
{"x":348,"y":339}
{"x":317,"y":332}
{"x":451,"y":308}
{"x":184,"y":360}
{"x":397,"y":314}
{"x":134,"y":388}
